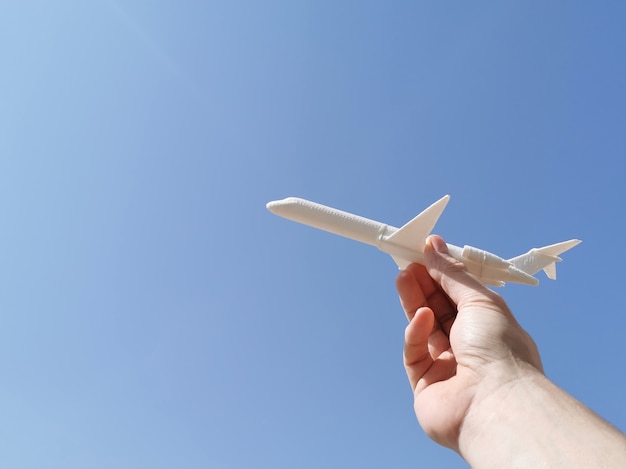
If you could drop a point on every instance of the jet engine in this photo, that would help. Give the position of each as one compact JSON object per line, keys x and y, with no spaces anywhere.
{"x":484,"y":258}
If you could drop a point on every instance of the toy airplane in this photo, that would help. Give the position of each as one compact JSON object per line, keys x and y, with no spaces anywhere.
{"x":406,"y":244}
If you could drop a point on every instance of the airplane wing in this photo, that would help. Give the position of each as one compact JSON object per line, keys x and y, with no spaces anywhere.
{"x":401,"y":263}
{"x":413,"y":235}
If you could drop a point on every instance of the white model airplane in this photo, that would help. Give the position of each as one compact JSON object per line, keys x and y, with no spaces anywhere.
{"x":406,"y":244}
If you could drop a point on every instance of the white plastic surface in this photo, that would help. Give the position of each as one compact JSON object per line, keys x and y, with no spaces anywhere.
{"x":406,"y":244}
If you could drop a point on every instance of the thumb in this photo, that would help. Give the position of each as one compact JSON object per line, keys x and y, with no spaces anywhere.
{"x":461,"y":286}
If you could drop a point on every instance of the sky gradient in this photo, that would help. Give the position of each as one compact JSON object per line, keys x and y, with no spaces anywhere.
{"x":155,"y":314}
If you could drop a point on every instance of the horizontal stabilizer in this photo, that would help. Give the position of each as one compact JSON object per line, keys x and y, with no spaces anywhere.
{"x":543,"y":258}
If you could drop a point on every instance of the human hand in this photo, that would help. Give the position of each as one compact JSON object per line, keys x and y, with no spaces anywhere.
{"x":462,"y":342}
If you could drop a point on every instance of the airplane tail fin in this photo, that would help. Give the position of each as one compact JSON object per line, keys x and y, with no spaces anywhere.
{"x":543,"y":258}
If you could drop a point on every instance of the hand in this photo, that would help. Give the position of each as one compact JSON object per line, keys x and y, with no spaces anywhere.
{"x":462,"y":342}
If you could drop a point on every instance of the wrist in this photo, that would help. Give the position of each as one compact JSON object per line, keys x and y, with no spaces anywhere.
{"x":496,"y":416}
{"x":519,"y":418}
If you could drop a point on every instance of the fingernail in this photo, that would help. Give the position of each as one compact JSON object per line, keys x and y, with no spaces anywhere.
{"x":439,"y":244}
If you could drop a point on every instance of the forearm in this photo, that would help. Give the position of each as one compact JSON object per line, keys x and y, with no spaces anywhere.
{"x":531,"y":423}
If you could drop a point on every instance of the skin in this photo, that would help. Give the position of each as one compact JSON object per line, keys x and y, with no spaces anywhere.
{"x":478,"y":381}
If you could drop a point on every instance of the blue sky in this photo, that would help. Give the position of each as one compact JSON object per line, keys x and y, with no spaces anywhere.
{"x":154,"y":314}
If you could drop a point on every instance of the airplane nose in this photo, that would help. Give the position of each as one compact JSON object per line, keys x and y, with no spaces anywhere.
{"x":276,"y":206}
{"x":271,"y":206}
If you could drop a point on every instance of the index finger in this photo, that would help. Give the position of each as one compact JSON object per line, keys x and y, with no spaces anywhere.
{"x":414,"y":285}
{"x":417,"y":288}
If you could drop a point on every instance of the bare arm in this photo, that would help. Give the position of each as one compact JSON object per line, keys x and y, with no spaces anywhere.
{"x":531,"y":423}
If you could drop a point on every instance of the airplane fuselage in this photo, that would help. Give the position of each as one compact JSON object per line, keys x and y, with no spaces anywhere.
{"x":406,"y":244}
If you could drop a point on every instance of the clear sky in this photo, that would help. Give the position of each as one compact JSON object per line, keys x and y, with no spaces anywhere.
{"x":155,"y":314}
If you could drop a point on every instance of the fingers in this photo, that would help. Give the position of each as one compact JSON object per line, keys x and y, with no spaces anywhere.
{"x":417,"y":357}
{"x":444,"y":285}
{"x":460,"y":286}
{"x":417,"y":288}
{"x":427,"y":355}
{"x":414,"y":285}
